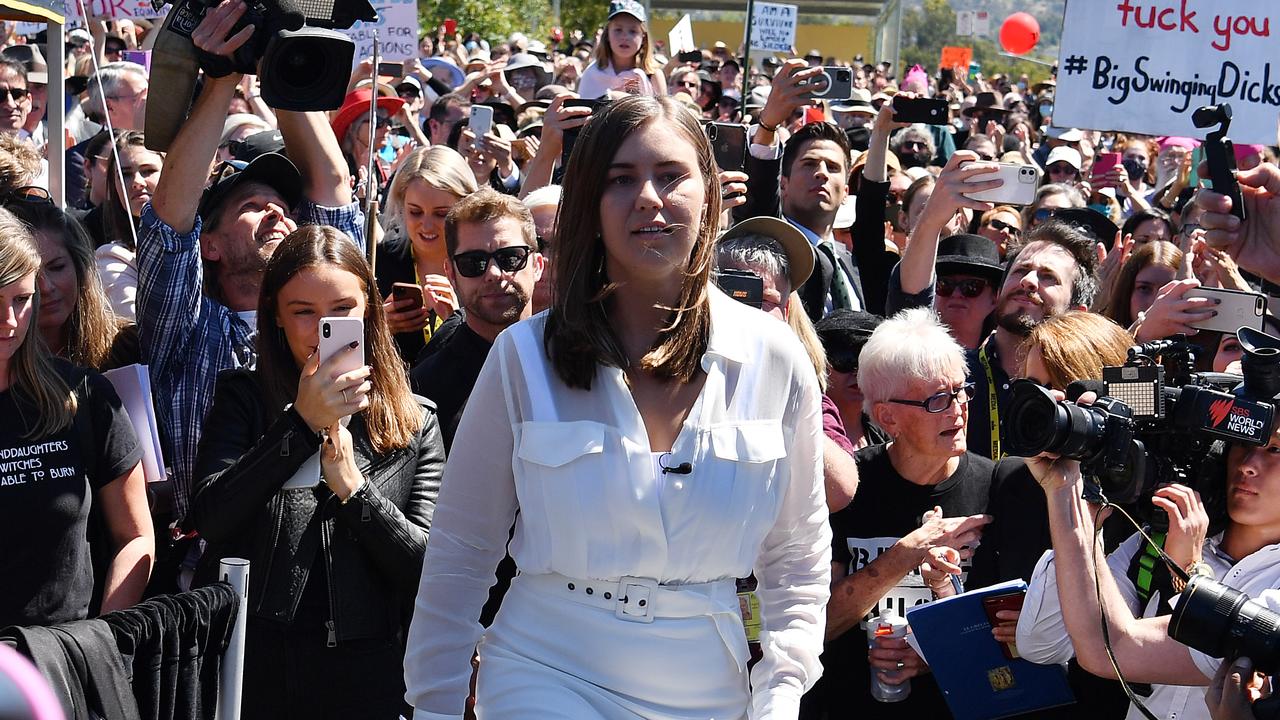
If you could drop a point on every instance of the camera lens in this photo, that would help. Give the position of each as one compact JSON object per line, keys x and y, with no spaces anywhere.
{"x":1226,"y":623}
{"x":821,"y":84}
{"x":325,"y":330}
{"x":843,"y":75}
{"x":1038,"y":423}
{"x":712,"y":132}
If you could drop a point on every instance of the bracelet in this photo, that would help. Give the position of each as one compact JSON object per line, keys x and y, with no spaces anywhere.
{"x":773,"y":129}
{"x":1197,"y":568}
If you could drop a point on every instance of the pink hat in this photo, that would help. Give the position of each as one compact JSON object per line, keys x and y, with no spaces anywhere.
{"x":1183,"y":142}
{"x":1244,"y":151}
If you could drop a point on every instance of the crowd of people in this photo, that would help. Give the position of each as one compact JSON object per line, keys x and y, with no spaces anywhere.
{"x":628,"y":425}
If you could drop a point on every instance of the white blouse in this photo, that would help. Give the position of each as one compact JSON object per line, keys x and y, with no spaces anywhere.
{"x":581,"y":477}
{"x":596,"y":81}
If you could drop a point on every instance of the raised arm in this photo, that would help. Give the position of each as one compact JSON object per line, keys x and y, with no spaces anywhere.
{"x":177,"y":195}
{"x":916,"y":269}
{"x":313,"y":147}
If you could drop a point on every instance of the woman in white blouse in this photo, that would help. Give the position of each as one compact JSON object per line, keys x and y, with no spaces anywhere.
{"x":651,"y":439}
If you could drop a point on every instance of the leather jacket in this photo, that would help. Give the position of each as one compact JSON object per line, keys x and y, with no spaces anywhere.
{"x":372,"y":545}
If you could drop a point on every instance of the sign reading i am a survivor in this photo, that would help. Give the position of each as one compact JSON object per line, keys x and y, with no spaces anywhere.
{"x":1146,"y":65}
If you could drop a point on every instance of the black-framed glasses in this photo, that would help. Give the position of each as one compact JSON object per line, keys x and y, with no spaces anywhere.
{"x":17,"y":93}
{"x":969,"y":287}
{"x":474,"y":263}
{"x":940,"y":401}
{"x":1003,"y":226}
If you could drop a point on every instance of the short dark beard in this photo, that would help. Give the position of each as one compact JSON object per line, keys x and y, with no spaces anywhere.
{"x":509,"y":315}
{"x":1016,"y":322}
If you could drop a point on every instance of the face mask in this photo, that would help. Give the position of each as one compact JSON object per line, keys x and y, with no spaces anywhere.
{"x":1046,"y":109}
{"x":1136,"y":168}
{"x":1103,"y":208}
{"x":1022,"y":85}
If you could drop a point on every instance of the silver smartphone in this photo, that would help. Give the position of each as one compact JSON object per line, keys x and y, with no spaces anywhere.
{"x":1236,"y":309}
{"x":1018,"y":188}
{"x":481,"y":121}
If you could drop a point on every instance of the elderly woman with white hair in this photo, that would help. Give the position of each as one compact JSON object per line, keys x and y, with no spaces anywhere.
{"x":921,"y":489}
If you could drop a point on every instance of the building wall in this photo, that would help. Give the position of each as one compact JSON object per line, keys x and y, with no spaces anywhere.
{"x":840,"y":41}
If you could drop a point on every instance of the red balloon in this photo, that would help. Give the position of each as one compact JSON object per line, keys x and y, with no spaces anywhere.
{"x":1019,"y":33}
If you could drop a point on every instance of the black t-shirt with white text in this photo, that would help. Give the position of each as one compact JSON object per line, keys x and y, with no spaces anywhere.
{"x":885,"y":509}
{"x":47,"y":487}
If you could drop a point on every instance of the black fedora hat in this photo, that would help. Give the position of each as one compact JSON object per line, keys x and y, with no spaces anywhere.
{"x":967,"y":254}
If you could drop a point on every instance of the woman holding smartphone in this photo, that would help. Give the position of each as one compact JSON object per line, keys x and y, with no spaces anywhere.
{"x":651,"y":440}
{"x":334,"y":516}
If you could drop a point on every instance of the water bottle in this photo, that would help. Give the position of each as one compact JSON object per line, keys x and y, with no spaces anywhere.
{"x":889,"y":624}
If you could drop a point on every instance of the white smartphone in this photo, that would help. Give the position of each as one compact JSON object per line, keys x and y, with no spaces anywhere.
{"x":481,"y":121}
{"x":1236,"y":309}
{"x":336,"y":333}
{"x":1019,"y":188}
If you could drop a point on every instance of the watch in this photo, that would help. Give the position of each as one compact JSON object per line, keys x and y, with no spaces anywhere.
{"x":1197,"y":568}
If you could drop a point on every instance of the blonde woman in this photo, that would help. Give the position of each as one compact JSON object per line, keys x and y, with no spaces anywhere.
{"x":624,"y":58}
{"x":429,"y":183}
{"x":67,"y":446}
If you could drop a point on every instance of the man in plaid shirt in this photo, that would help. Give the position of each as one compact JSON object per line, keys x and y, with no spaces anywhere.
{"x":201,"y":252}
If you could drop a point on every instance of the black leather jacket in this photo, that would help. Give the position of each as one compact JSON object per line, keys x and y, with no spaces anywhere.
{"x":372,"y":546}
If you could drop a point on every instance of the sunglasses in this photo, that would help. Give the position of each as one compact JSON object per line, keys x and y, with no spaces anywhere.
{"x":843,"y":362}
{"x":940,"y":401}
{"x":1041,"y":215}
{"x":474,"y":263}
{"x":29,"y":194}
{"x":16,"y":93}
{"x":970,"y":288}
{"x":1003,"y":226}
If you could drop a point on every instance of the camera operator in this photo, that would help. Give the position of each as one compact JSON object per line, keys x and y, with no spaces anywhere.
{"x":234,"y":226}
{"x":1244,"y":556}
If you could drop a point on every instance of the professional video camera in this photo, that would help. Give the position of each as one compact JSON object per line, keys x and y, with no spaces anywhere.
{"x":302,"y":62}
{"x":1154,"y":422}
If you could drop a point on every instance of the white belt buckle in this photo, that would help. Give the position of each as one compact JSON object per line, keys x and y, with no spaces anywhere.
{"x":634,"y":601}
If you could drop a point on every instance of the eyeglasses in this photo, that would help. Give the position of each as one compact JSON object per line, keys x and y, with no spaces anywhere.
{"x":1041,"y":215}
{"x":913,"y":144}
{"x":18,"y":94}
{"x":970,"y":287}
{"x":1003,"y":226}
{"x":474,"y":263}
{"x":940,"y":401}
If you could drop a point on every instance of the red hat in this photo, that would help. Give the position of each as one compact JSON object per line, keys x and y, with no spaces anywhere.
{"x":356,"y":104}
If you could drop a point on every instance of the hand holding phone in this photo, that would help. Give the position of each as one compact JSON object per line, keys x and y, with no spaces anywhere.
{"x":1005,"y":603}
{"x":481,"y":121}
{"x":334,"y":381}
{"x":1102,"y":167}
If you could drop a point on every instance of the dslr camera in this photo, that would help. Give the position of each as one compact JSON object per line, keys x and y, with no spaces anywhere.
{"x":302,"y":62}
{"x":1155,"y":422}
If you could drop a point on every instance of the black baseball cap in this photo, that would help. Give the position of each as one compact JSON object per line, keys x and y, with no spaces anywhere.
{"x":271,"y":169}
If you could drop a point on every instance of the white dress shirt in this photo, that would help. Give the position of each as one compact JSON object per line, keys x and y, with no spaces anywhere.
{"x":1042,"y":632}
{"x":589,"y":506}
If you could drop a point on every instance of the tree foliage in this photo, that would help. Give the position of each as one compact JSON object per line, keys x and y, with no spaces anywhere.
{"x":495,"y":20}
{"x":927,"y":29}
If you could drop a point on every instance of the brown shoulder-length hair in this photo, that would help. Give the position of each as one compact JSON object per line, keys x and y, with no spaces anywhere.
{"x":1116,"y":303}
{"x":92,"y":325}
{"x":117,"y":219}
{"x":393,"y":417}
{"x":1076,"y":345}
{"x":578,"y":334}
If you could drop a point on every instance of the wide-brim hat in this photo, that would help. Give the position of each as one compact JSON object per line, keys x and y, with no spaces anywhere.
{"x":799,"y":252}
{"x":859,"y":102}
{"x":455,"y":72}
{"x":356,"y":104}
{"x":272,"y":169}
{"x":1091,"y":222}
{"x":520,"y":61}
{"x":968,"y":254}
{"x":984,"y":104}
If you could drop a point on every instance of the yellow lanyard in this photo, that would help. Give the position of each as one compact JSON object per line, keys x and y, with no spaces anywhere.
{"x":433,"y":323}
{"x":993,"y":406}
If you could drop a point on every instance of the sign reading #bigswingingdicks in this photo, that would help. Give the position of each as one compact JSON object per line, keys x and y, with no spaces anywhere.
{"x":1144,"y":66}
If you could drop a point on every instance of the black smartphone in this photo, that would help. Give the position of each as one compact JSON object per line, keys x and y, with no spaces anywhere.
{"x":743,"y":286}
{"x":408,"y":291}
{"x":728,"y":144}
{"x":691,"y":56}
{"x":930,"y":111}
{"x":391,"y":69}
{"x":571,"y":135}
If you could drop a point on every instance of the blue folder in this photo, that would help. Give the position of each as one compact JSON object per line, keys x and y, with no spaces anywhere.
{"x":969,"y":666}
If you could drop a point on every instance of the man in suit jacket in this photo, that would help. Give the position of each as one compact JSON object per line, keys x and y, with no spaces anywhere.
{"x":804,"y":183}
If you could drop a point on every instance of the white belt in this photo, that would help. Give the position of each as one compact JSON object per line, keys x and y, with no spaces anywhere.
{"x":641,"y":600}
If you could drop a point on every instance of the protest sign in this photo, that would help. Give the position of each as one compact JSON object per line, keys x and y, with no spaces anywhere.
{"x":773,"y":27}
{"x":397,"y":27}
{"x":112,"y":9}
{"x":680,"y":39}
{"x":1145,"y":67}
{"x":956,"y":56}
{"x":964,"y":23}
